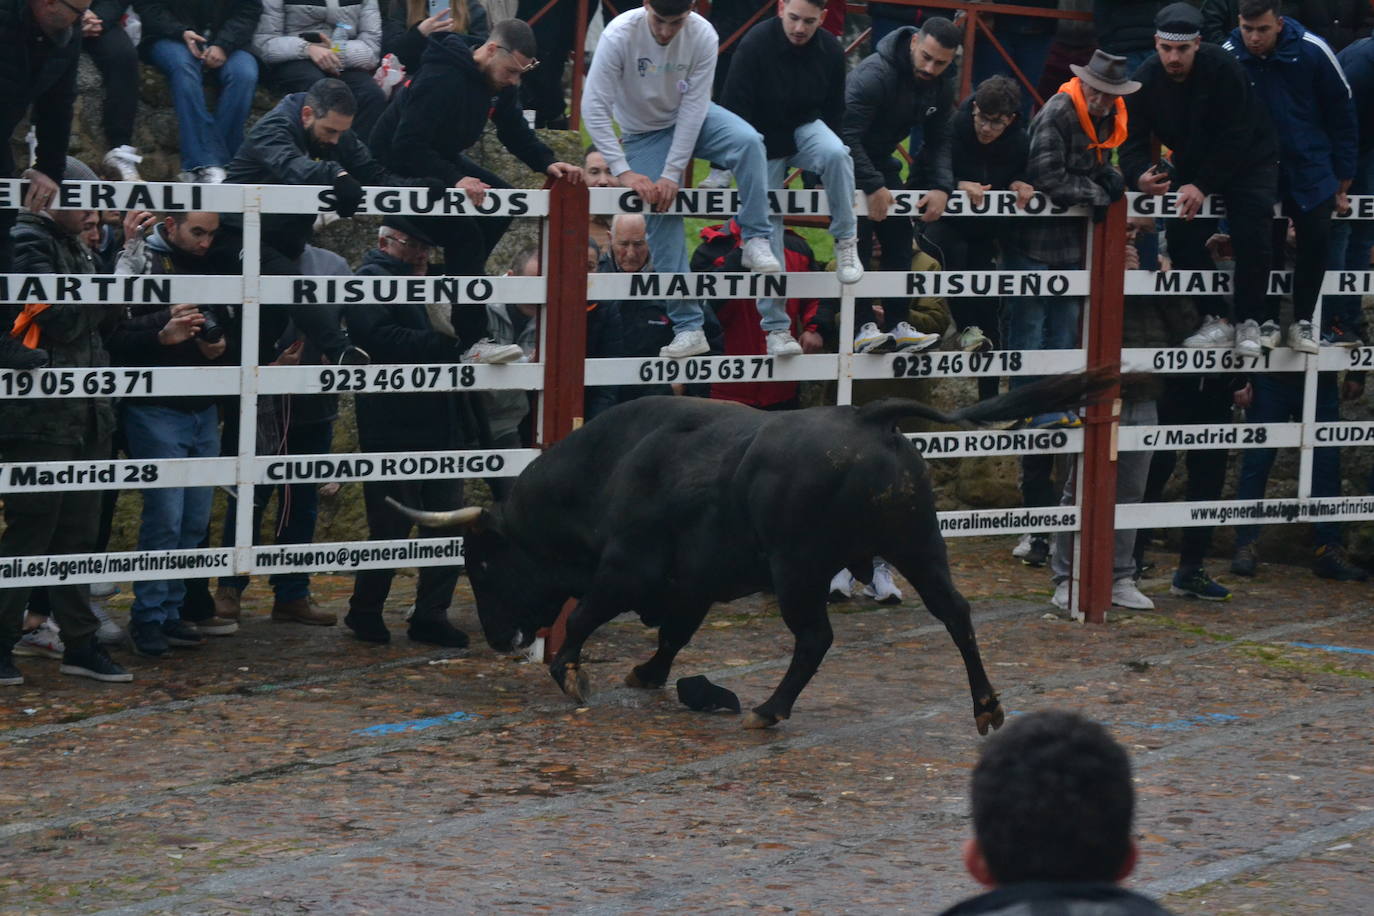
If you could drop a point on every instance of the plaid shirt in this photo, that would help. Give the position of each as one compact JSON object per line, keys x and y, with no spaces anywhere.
{"x":1062,"y":166}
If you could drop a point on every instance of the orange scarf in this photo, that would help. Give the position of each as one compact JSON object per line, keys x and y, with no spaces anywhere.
{"x":1074,"y":90}
{"x":26,"y":328}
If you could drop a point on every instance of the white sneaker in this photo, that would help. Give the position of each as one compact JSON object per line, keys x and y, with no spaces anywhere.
{"x":211,"y":174}
{"x":871,"y":340}
{"x":1215,"y":332}
{"x":909,"y":340}
{"x":489,"y":351}
{"x":686,"y":343}
{"x":782,"y":343}
{"x":848,"y":269}
{"x":110,"y":633}
{"x":1302,"y":337}
{"x":883,"y":590}
{"x":716,"y":179}
{"x":842,"y":586}
{"x":1125,"y":594}
{"x":1022,"y":548}
{"x":124,"y":160}
{"x":103,"y":589}
{"x":1061,"y":596}
{"x":189,"y":176}
{"x":758,"y":256}
{"x":1248,"y":339}
{"x":1270,"y":335}
{"x":44,"y":642}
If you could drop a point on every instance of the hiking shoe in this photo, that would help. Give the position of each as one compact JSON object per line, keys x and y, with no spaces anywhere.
{"x":871,"y":340}
{"x":910,"y":340}
{"x":848,"y":268}
{"x":1337,"y":336}
{"x":1270,"y":334}
{"x":1195,"y":583}
{"x":716,"y":179}
{"x":228,"y":602}
{"x":1061,"y":596}
{"x":210,"y":174}
{"x":1058,"y":419}
{"x":1125,"y":594}
{"x":842,"y":586}
{"x":92,"y":661}
{"x":368,"y":627}
{"x":43,"y":641}
{"x":1302,"y":337}
{"x":1245,"y":560}
{"x":1248,"y":339}
{"x":685,"y":344}
{"x":782,"y":343}
{"x":9,"y":675}
{"x":1215,"y":332}
{"x":1037,"y":551}
{"x":217,"y":626}
{"x":489,"y":351}
{"x":124,"y":160}
{"x":14,"y":355}
{"x":303,"y":610}
{"x":882,"y":589}
{"x":973,"y":340}
{"x":182,"y":633}
{"x":147,"y":639}
{"x":1332,"y":564}
{"x":437,"y":633}
{"x":758,"y":256}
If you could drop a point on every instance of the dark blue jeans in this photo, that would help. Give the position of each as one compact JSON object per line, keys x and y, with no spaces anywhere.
{"x":1279,"y":402}
{"x":1351,"y":240}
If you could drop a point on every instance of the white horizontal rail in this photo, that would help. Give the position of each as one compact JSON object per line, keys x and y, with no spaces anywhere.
{"x":1203,"y":436}
{"x":347,"y":290}
{"x":47,"y":476}
{"x":98,"y":289}
{"x":365,"y":466}
{"x":1245,"y":512}
{"x":984,"y":443}
{"x":981,"y":522}
{"x":393,"y":379}
{"x":160,"y":381}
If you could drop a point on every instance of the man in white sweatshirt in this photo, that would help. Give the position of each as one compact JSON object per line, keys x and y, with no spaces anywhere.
{"x":653,"y":71}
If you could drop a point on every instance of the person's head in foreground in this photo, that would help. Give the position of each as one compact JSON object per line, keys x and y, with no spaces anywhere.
{"x":1053,"y":806}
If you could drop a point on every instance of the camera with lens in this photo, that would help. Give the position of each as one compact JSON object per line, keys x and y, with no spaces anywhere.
{"x":215,"y":320}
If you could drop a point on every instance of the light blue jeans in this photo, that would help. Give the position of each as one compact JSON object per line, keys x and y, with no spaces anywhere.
{"x":207,"y":139}
{"x":819,"y":151}
{"x":728,"y":140}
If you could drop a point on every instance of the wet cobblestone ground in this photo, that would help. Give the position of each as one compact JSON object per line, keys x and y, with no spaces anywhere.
{"x":294,"y":770}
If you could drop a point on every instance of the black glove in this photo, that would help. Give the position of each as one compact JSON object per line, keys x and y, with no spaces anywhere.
{"x":348,"y":194}
{"x":1114,"y":183}
{"x":436,"y":187}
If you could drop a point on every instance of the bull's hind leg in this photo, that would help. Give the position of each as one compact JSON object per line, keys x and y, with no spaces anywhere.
{"x":678,"y":626}
{"x":566,"y":668}
{"x":802,"y":602}
{"x":927,"y":569}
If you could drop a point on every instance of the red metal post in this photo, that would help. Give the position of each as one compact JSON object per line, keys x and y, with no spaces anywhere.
{"x":579,"y":61}
{"x":566,"y":311}
{"x":1097,"y":533}
{"x":997,"y":45}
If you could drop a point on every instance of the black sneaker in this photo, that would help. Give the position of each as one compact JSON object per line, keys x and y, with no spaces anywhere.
{"x":1332,"y":564}
{"x":9,"y":675}
{"x":91,"y":660}
{"x":1245,"y":560}
{"x":14,"y":355}
{"x":1195,"y":583}
{"x":147,"y":639}
{"x":1039,"y":553}
{"x":368,"y":627}
{"x":182,"y":633}
{"x":437,"y":633}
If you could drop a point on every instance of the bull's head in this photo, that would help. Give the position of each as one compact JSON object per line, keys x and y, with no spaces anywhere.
{"x":513,"y":597}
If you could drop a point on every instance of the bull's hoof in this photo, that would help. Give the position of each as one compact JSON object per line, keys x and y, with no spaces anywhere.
{"x":574,"y":683}
{"x":633,"y":679}
{"x":756,"y":719}
{"x":993,"y":717}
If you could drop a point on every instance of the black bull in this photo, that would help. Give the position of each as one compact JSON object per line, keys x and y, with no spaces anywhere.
{"x":666,"y":505}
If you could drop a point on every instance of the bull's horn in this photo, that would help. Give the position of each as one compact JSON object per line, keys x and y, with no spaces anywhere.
{"x":449,"y":519}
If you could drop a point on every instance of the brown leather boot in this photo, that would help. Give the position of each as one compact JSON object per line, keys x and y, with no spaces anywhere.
{"x":303,"y":610}
{"x":227,"y":602}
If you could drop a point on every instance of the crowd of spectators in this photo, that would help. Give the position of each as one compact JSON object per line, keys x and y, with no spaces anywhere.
{"x":1266,"y":118}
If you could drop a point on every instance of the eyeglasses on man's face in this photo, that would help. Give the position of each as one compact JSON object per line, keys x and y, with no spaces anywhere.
{"x":525,"y":68}
{"x":992,"y":120}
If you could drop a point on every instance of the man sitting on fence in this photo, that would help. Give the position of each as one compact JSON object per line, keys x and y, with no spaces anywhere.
{"x":653,"y":69}
{"x":1197,"y":101}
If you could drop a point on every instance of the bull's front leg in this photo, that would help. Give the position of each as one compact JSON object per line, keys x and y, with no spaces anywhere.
{"x":677,"y":629}
{"x":802,"y":603}
{"x":566,"y":667}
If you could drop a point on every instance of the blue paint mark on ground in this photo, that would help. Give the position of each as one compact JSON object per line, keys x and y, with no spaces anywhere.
{"x":415,"y":725}
{"x":1345,"y":649}
{"x":1178,"y":725}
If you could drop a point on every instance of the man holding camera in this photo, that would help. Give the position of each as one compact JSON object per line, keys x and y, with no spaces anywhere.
{"x":174,"y":518}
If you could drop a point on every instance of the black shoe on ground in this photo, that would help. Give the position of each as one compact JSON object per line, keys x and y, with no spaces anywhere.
{"x":1245,"y":561}
{"x":147,"y":639}
{"x":1039,"y":553}
{"x":437,"y":633}
{"x":9,"y":675}
{"x":368,"y":627}
{"x":182,"y":633}
{"x":1332,"y":564}
{"x":91,"y":660}
{"x":14,"y":355}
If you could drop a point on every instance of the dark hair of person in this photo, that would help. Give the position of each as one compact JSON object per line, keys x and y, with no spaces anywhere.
{"x":671,"y":7}
{"x":1053,"y":801}
{"x":1253,"y":9}
{"x":515,"y":35}
{"x":943,"y":31}
{"x":998,"y":95}
{"x":328,"y":96}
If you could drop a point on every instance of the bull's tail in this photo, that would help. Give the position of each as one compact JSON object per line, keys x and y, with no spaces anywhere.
{"x":1059,"y":392}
